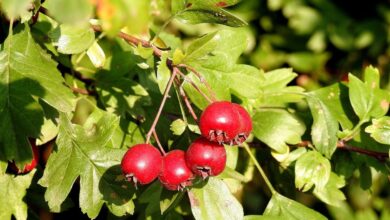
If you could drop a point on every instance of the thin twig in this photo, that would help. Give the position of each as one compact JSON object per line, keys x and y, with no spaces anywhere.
{"x":152,"y":128}
{"x":201,"y":79}
{"x":80,"y":90}
{"x":133,"y":40}
{"x":187,"y":102}
{"x":377,"y":155}
{"x":261,"y":171}
{"x":381,"y":156}
{"x":186,"y":78}
{"x":158,"y":143}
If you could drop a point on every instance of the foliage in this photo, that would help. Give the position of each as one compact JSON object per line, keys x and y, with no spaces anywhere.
{"x":88,"y":79}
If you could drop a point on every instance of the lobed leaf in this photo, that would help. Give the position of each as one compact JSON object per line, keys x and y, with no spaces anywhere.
{"x":27,"y":73}
{"x":277,"y":128}
{"x":312,"y":169}
{"x":71,"y":39}
{"x":82,"y":152}
{"x":13,"y":190}
{"x":214,"y":201}
{"x":281,"y":207}
{"x":325,"y":126}
{"x":380,"y":129}
{"x":366,"y":98}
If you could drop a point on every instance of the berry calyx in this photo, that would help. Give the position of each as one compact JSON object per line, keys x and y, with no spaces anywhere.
{"x":141,"y":164}
{"x":30,"y":166}
{"x":219,"y":122}
{"x":206,"y":158}
{"x":246,"y":124}
{"x":175,"y":175}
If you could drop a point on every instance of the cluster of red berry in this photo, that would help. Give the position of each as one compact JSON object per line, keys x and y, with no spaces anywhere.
{"x":220,"y":123}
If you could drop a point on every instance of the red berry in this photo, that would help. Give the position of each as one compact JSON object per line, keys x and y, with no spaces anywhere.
{"x":246,"y":124}
{"x":219,"y":122}
{"x":141,"y":164}
{"x":28,"y":167}
{"x":175,"y":175}
{"x":206,"y":158}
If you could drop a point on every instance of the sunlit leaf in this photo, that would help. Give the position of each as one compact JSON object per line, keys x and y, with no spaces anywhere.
{"x":26,"y":73}
{"x":81,"y":152}
{"x":214,"y":201}
{"x":12,"y":190}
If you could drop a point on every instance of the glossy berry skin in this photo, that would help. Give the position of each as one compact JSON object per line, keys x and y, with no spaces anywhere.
{"x":246,"y":124}
{"x":30,"y":166}
{"x":206,"y":158}
{"x":175,"y":175}
{"x":219,"y":122}
{"x":141,"y":164}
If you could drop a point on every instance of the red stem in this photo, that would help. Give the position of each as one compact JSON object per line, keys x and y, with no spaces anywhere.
{"x":186,"y":78}
{"x":152,"y":128}
{"x":381,"y":156}
{"x":158,"y":143}
{"x":133,"y":40}
{"x":187,"y":102}
{"x":201,"y":79}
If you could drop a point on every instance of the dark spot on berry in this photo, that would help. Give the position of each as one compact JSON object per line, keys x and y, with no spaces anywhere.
{"x":189,"y":4}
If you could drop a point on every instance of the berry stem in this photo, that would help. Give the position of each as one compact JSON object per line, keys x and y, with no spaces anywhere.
{"x":152,"y":128}
{"x":201,"y":79}
{"x":186,"y":78}
{"x":159,"y":143}
{"x":187,"y":102}
{"x":261,"y":171}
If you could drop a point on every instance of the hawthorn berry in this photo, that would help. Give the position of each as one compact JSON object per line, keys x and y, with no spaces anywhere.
{"x":225,"y":122}
{"x":219,"y":122}
{"x":141,"y":164}
{"x":30,"y":166}
{"x":206,"y":158}
{"x":246,"y":124}
{"x":175,"y":175}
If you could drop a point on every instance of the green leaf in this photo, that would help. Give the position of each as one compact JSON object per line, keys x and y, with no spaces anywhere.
{"x":12,"y":191}
{"x":331,"y":193}
{"x":277,"y":128}
{"x":210,"y":15}
{"x":214,"y":201}
{"x":325,"y":126}
{"x":215,"y":49}
{"x":169,"y":199}
{"x":27,"y":74}
{"x":284,"y":208}
{"x":178,"y":126}
{"x":380,"y":129}
{"x":195,"y":12}
{"x":15,"y":9}
{"x":82,"y":153}
{"x":365,"y":177}
{"x":96,"y":55}
{"x":312,"y":169}
{"x":70,"y":11}
{"x":121,"y":95}
{"x":367,"y":99}
{"x":49,"y":129}
{"x":335,"y":98}
{"x":249,"y":80}
{"x":117,"y":14}
{"x":275,"y":91}
{"x":214,"y":56}
{"x":151,"y":195}
{"x":163,"y":73}
{"x":3,"y":166}
{"x":258,"y":217}
{"x":71,"y":39}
